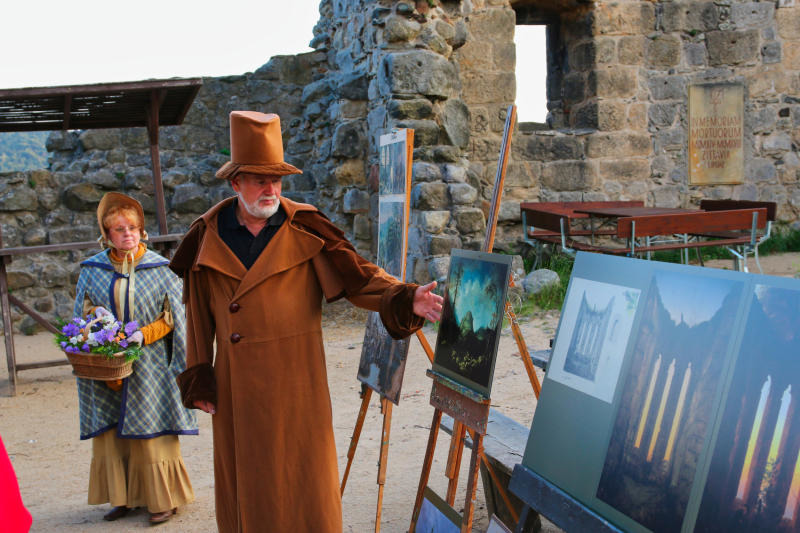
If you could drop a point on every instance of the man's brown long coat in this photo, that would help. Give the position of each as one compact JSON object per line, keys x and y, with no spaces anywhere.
{"x":275,"y":465}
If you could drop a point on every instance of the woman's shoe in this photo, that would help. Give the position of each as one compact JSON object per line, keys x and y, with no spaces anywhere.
{"x":116,"y":513}
{"x":158,"y":518}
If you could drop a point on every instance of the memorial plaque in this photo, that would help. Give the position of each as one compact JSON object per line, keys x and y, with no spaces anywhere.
{"x":716,"y":118}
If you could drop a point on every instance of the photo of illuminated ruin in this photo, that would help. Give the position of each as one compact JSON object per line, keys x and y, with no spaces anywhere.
{"x":754,"y":480}
{"x":665,"y":410}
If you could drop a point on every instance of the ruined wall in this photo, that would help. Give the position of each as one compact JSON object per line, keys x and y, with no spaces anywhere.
{"x":617,"y":91}
{"x":619,"y":122}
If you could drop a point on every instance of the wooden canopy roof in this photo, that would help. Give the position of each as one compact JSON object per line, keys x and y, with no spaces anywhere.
{"x":102,"y":105}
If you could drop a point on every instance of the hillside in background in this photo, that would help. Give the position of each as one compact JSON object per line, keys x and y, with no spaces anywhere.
{"x":23,"y":151}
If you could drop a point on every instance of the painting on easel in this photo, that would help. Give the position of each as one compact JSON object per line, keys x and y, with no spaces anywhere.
{"x":436,"y":516}
{"x":383,"y":359}
{"x":754,"y":480}
{"x":472,"y":317}
{"x":664,"y":417}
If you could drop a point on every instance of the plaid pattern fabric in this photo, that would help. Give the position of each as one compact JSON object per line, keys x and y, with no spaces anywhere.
{"x":149,"y":403}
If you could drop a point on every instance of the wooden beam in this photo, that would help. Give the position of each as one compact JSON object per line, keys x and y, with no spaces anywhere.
{"x":156,"y":98}
{"x":67,"y":111}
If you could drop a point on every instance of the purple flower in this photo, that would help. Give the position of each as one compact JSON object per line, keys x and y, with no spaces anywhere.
{"x":85,"y":348}
{"x":130,"y":327}
{"x":63,"y":344}
{"x":123,"y":343}
{"x":70,"y":330}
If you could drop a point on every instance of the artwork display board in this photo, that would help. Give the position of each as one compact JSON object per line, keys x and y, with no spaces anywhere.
{"x":383,"y":359}
{"x":681,"y":416}
{"x":472,"y":318}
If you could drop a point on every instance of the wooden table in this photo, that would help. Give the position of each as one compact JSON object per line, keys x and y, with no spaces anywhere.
{"x":631,"y":228}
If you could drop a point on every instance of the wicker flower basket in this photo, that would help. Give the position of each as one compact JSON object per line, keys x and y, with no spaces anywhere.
{"x":99,"y":367}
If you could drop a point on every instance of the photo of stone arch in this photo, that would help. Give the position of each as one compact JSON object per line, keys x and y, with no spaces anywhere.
{"x":754,"y":480}
{"x":593,"y":337}
{"x":664,"y":415}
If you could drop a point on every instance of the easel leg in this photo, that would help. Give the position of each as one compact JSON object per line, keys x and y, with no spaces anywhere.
{"x":454,"y":460}
{"x":8,"y":332}
{"x":523,"y":351}
{"x":522,"y":519}
{"x":362,"y":413}
{"x":425,"y":344}
{"x":426,"y":467}
{"x":472,"y":483}
{"x":500,"y":489}
{"x":384,"y":458}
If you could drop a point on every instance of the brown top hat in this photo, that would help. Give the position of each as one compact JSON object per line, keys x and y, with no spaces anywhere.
{"x":117,"y":199}
{"x":256,"y":146}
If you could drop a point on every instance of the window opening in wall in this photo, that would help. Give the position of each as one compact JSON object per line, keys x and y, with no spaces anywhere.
{"x":531,"y":72}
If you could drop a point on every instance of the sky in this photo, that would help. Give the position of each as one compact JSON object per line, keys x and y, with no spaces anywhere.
{"x":694,"y":299}
{"x":69,"y":42}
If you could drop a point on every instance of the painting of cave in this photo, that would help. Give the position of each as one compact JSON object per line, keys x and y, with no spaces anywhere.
{"x":753,"y":483}
{"x":665,"y":409}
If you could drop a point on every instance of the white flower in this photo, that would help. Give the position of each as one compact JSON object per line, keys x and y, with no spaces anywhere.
{"x":77,"y":339}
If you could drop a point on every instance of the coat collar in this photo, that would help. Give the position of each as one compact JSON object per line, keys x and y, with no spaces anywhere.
{"x":289,"y":247}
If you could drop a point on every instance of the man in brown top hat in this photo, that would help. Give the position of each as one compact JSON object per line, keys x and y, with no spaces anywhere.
{"x":255,"y":269}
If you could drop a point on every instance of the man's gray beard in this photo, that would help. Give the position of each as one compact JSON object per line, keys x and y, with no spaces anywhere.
{"x":259,"y":212}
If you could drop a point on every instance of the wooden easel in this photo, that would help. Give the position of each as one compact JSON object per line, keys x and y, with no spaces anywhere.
{"x":386,"y":404}
{"x":469,"y":411}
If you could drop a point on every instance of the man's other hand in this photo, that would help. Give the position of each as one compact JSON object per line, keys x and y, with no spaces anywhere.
{"x":208,"y":407}
{"x":427,"y":304}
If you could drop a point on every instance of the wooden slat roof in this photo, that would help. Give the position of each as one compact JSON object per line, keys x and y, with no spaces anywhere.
{"x":102,"y":105}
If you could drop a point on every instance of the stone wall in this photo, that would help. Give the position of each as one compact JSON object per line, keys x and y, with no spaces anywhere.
{"x":617,"y":97}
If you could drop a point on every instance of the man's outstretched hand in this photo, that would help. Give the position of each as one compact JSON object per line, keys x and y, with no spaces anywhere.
{"x":427,"y":304}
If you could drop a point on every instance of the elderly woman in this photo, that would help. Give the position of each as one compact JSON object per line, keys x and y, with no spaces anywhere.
{"x":134,"y":425}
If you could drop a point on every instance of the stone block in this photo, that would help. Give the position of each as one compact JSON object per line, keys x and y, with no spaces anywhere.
{"x":611,"y":115}
{"x":421,"y":171}
{"x":617,"y":82}
{"x":438,"y":268}
{"x":446,"y":154}
{"x":667,"y":196}
{"x":663,"y":51}
{"x":622,"y":144}
{"x":625,"y":170}
{"x":190,"y":198}
{"x":760,"y":169}
{"x":469,"y":220}
{"x":446,"y":30}
{"x":630,"y":50}
{"x":353,"y":85}
{"x":625,"y":18}
{"x":519,"y":174}
{"x":355,"y":201}
{"x":690,"y":15}
{"x":434,"y":221}
{"x":671,"y":139}
{"x":662,"y":115}
{"x":752,"y":15}
{"x":400,"y":29}
{"x":350,"y":172}
{"x":462,"y":193}
{"x":417,"y":108}
{"x":348,"y":140}
{"x":732,"y":47}
{"x":102,"y":139}
{"x":573,"y":88}
{"x":788,"y":20}
{"x":509,"y":211}
{"x":489,"y":87}
{"x":362,"y":227}
{"x":548,"y":147}
{"x":771,"y":52}
{"x":81,"y":197}
{"x":18,"y":197}
{"x":61,"y":141}
{"x":455,"y":122}
{"x":443,"y":243}
{"x":695,"y":54}
{"x":492,"y":24}
{"x":454,"y":173}
{"x":777,"y":142}
{"x":637,"y":116}
{"x":667,"y":87}
{"x":429,"y":196}
{"x":434,"y":41}
{"x":792,"y":55}
{"x":569,"y":175}
{"x":426,"y":132}
{"x":418,"y":72}
{"x":473,"y":56}
{"x":105,"y":179}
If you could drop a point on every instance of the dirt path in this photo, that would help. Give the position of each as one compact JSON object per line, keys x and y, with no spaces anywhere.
{"x":40,"y":429}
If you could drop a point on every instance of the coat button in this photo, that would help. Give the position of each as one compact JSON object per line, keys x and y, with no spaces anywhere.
{"x":234,"y":307}
{"x":235,"y":338}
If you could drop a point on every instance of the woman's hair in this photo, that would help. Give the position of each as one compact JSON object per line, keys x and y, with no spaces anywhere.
{"x":128,"y":212}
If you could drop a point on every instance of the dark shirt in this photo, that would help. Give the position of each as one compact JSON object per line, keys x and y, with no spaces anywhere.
{"x":244,"y":244}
